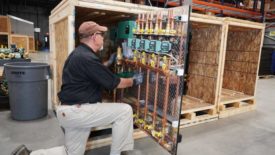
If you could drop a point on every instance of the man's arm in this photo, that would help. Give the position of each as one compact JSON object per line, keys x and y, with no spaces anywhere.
{"x":125,"y":82}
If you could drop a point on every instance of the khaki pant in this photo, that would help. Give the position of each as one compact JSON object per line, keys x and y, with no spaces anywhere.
{"x":78,"y":121}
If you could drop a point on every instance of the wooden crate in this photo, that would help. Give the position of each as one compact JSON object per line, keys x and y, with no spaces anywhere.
{"x":240,"y":65}
{"x":205,"y":61}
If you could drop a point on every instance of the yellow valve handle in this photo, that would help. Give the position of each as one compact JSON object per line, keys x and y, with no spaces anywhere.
{"x":153,"y":60}
{"x":134,"y":115}
{"x":164,"y":66}
{"x":140,"y":121}
{"x":162,"y":31}
{"x":157,"y":134}
{"x":152,"y":63}
{"x":172,"y":31}
{"x":148,"y":127}
{"x":135,"y":55}
{"x":143,"y":59}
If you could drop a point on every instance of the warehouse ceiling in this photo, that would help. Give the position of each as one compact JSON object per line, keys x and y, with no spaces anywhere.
{"x":47,"y":4}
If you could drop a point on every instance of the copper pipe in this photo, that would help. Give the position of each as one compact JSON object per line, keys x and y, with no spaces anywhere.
{"x":175,"y":105}
{"x":151,"y":23}
{"x":156,"y":94}
{"x":142,"y":22}
{"x":166,"y":97}
{"x":138,"y":24}
{"x":172,"y":21}
{"x":167,"y":30}
{"x":147,"y":23}
{"x":164,"y":119}
{"x":147,"y":94}
{"x":138,"y":95}
{"x":156,"y":29}
{"x":160,"y":21}
{"x":181,"y":46}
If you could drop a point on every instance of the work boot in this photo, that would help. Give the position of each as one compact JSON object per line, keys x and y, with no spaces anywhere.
{"x":21,"y":150}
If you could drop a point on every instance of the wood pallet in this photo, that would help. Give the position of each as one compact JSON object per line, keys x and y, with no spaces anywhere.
{"x":266,"y":76}
{"x":233,"y":103}
{"x":105,"y":140}
{"x":195,"y":111}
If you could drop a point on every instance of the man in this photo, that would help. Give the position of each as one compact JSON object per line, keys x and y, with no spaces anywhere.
{"x":84,"y":77}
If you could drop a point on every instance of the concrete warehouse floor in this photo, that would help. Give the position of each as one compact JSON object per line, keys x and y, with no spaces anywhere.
{"x":251,"y":133}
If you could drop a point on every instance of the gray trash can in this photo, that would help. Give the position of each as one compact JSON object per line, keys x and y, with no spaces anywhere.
{"x":28,"y":89}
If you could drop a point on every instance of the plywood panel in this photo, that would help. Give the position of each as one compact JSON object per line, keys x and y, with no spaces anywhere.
{"x":31,"y":44}
{"x":4,"y":24}
{"x":20,"y":41}
{"x":204,"y":61}
{"x":242,"y":59}
{"x":61,"y":50}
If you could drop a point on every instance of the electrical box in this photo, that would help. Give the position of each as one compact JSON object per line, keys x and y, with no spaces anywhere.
{"x":125,"y":29}
{"x":133,"y":43}
{"x":154,"y":46}
{"x":144,"y":45}
{"x":129,"y":42}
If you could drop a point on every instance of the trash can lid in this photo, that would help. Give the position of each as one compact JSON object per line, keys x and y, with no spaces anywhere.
{"x":26,"y":65}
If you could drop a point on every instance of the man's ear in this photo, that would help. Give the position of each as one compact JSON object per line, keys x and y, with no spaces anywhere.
{"x":93,"y":37}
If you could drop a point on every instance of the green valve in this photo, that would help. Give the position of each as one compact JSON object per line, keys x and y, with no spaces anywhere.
{"x":129,"y":42}
{"x":165,"y":46}
{"x":154,"y":46}
{"x":144,"y":45}
{"x":135,"y":44}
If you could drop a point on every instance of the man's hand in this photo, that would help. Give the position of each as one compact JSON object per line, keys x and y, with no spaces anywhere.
{"x":137,"y":79}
